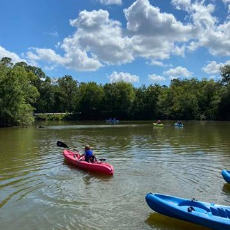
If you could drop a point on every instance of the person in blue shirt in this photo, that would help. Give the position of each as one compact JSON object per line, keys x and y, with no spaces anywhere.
{"x":179,"y":122}
{"x":89,"y":156}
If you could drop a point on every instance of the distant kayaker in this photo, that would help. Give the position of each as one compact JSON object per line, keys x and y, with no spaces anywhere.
{"x":88,"y":154}
{"x":158,"y":121}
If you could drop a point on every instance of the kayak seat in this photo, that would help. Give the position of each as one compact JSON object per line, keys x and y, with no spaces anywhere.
{"x":228,"y":213}
{"x":194,"y":204}
{"x":220,"y":212}
{"x":214,"y":211}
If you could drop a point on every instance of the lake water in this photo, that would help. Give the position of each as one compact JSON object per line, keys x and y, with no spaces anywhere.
{"x":39,"y":191}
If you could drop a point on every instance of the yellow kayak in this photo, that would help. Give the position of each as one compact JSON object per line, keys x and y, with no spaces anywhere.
{"x":158,"y":125}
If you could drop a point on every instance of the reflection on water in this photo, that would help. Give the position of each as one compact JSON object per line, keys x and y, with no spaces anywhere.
{"x":37,"y":188}
{"x":226,"y":188}
{"x":158,"y":221}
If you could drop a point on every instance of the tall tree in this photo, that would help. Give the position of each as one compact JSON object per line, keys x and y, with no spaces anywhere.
{"x":16,"y":95}
{"x":90,"y":97}
{"x":67,"y":92}
{"x":118,"y":99}
{"x":225,"y":73}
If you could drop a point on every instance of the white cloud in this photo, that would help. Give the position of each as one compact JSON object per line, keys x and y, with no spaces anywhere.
{"x":151,"y":34}
{"x":215,"y":37}
{"x":154,"y":77}
{"x":154,"y":33}
{"x":110,"y":2}
{"x":100,"y":36}
{"x":76,"y":59}
{"x":178,"y":72}
{"x":97,"y":40}
{"x":58,"y":45}
{"x":45,"y":54}
{"x":49,"y":68}
{"x":145,"y":19}
{"x":126,"y":77}
{"x":53,"y":34}
{"x":215,"y":78}
{"x":179,"y":51}
{"x":14,"y":57}
{"x":214,"y":67}
{"x":157,"y":63}
{"x":181,"y":4}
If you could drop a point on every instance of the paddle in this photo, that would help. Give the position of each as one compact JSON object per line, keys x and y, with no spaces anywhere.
{"x":63,"y":145}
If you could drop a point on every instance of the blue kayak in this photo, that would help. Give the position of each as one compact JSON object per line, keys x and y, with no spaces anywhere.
{"x":206,"y":214}
{"x":112,"y":121}
{"x":179,"y":125}
{"x":226,"y":175}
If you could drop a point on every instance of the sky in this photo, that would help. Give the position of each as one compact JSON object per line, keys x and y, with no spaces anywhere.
{"x":143,"y":42}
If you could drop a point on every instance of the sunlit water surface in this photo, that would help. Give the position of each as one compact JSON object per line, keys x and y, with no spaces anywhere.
{"x":38,"y":190}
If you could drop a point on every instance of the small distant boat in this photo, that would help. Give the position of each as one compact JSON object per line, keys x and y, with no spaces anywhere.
{"x":177,"y":124}
{"x":112,"y":121}
{"x":226,"y":175}
{"x":158,"y":124}
{"x":206,"y":214}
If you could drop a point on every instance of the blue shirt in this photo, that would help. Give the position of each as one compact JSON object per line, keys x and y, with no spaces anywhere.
{"x":89,"y":153}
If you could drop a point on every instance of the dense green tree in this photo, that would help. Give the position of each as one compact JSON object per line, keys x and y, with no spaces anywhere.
{"x":138,"y":106}
{"x":46,"y":102}
{"x":16,"y":95}
{"x":209,"y":98}
{"x":6,"y":62}
{"x":90,"y":96}
{"x":182,"y":96}
{"x":151,"y":101}
{"x":224,"y":107}
{"x":225,"y":73}
{"x":118,"y":99}
{"x":146,"y":103}
{"x":66,"y":93}
{"x":24,"y":88}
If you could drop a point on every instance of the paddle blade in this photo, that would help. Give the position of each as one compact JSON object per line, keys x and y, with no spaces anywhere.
{"x":61,"y":144}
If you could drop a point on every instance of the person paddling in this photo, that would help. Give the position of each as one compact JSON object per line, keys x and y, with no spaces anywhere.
{"x":179,"y":122}
{"x":88,"y":154}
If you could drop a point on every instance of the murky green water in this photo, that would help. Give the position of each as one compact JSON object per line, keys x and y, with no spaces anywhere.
{"x":39,"y":191}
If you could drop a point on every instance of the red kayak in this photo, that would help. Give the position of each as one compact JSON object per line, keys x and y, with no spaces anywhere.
{"x":99,"y":166}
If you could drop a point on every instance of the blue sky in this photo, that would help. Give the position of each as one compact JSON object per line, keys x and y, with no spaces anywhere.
{"x":143,"y":42}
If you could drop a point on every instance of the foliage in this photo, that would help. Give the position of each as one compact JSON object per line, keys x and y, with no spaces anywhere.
{"x":118,"y":99}
{"x":90,"y":96}
{"x":225,"y":73}
{"x":16,"y":95}
{"x":224,"y":107}
{"x":66,"y":93}
{"x":25,"y":89}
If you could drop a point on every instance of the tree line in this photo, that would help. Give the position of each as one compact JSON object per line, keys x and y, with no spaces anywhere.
{"x":25,"y":89}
